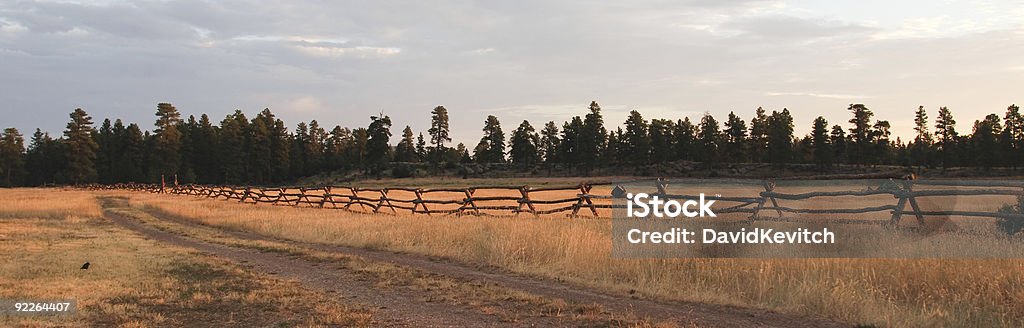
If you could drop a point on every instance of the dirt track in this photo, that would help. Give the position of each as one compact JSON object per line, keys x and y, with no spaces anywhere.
{"x":412,"y":308}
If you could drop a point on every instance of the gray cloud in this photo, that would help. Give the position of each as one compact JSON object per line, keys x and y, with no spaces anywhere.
{"x":339,"y":63}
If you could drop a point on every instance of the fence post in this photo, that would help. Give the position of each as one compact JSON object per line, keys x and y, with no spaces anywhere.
{"x":908,"y":185}
{"x":525,"y":192}
{"x":419,"y":202}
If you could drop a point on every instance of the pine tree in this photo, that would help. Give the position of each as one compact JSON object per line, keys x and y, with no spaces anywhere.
{"x":165,"y":160}
{"x":635,"y":141}
{"x":406,"y":149}
{"x":525,"y":144}
{"x":44,"y":159}
{"x":881,"y":151}
{"x":1012,"y":137}
{"x":550,"y":141}
{"x":491,"y":148}
{"x":839,"y":143}
{"x":709,"y":140}
{"x":823,"y":152}
{"x":12,"y":158}
{"x":569,"y":148}
{"x":298,"y":156}
{"x":131,"y":165}
{"x":259,"y":152}
{"x":759,"y":136}
{"x":985,"y":141}
{"x":736,"y":139}
{"x":780,"y":137}
{"x":81,"y":149}
{"x":684,"y":139}
{"x":186,"y":173}
{"x":945,"y":132}
{"x":316,"y":146}
{"x":204,"y":152}
{"x":378,"y":144}
{"x":421,"y":148}
{"x":860,"y":133}
{"x":106,"y":152}
{"x":438,"y":132}
{"x":592,"y":138}
{"x":920,"y":149}
{"x":662,"y":148}
{"x":232,"y":147}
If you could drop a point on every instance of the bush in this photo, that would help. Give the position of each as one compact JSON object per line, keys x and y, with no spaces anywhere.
{"x":1012,"y":225}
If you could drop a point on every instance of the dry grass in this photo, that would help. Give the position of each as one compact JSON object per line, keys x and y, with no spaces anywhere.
{"x":47,"y":234}
{"x":881,"y":292}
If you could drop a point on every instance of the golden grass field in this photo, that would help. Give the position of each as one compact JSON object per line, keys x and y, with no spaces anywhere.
{"x":46,"y":234}
{"x":883,"y":292}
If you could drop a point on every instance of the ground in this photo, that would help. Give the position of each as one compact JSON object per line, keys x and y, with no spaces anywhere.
{"x":309,"y":267}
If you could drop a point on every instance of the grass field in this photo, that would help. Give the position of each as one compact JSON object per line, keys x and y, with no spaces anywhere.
{"x":884,"y":292}
{"x":47,"y":234}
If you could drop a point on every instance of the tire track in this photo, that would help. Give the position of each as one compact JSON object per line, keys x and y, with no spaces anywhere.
{"x":392,"y":308}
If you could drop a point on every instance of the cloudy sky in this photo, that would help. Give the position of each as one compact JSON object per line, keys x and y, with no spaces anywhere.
{"x":339,"y":62}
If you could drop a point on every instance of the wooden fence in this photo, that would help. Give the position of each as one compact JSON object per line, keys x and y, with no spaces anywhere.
{"x":584,"y":200}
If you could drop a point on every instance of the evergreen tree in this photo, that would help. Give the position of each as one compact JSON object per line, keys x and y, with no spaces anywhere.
{"x":985,"y":141}
{"x":186,"y":173}
{"x":406,"y":149}
{"x":945,"y":132}
{"x":204,"y":151}
{"x":438,"y":132}
{"x":298,"y":156}
{"x":592,"y":138}
{"x":491,"y":148}
{"x":106,"y":152}
{"x":378,"y":144}
{"x":823,"y":152}
{"x":81,"y":149}
{"x":337,"y":149}
{"x":315,"y":149}
{"x":759,"y":136}
{"x":44,"y":159}
{"x":259,"y":151}
{"x":780,"y":137}
{"x":839,"y":143}
{"x":12,"y":158}
{"x":549,"y":143}
{"x":569,"y":148}
{"x":662,"y":148}
{"x":234,"y":130}
{"x":736,"y":139}
{"x":636,"y":142}
{"x":1012,"y":137}
{"x":421,"y":148}
{"x":165,"y":160}
{"x":882,"y":150}
{"x":709,"y":140}
{"x":860,"y":133}
{"x":525,"y":144}
{"x":131,"y":164}
{"x":685,"y":139}
{"x":920,"y":150}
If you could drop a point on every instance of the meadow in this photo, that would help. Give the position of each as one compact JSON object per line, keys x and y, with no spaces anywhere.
{"x":47,"y":234}
{"x":882,"y":292}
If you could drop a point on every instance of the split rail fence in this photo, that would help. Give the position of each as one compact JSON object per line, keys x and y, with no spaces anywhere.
{"x":583,"y":200}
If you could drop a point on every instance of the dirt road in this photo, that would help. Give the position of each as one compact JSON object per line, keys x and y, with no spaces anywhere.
{"x":421,"y":308}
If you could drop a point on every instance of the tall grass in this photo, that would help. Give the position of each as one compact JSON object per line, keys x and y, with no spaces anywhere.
{"x":890,"y":292}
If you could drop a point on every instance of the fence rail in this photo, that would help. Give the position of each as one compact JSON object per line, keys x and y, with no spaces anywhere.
{"x":586,"y":202}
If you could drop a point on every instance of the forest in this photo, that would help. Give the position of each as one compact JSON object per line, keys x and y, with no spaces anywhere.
{"x":263,"y":150}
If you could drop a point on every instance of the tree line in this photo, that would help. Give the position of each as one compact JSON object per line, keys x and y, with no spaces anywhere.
{"x":263,"y":150}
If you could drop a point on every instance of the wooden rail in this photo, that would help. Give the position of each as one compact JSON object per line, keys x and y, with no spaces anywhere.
{"x":547,"y":200}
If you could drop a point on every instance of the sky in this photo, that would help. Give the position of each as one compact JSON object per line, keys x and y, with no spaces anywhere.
{"x":339,"y":62}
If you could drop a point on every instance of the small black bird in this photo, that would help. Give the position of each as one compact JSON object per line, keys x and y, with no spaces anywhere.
{"x":85,"y":266}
